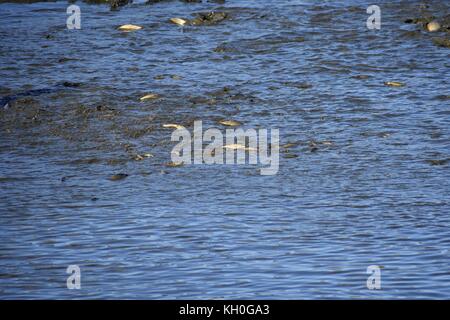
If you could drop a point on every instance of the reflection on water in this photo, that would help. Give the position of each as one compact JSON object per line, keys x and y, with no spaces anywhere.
{"x":364,"y":182}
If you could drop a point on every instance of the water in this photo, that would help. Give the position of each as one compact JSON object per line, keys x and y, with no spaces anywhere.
{"x":372,"y":197}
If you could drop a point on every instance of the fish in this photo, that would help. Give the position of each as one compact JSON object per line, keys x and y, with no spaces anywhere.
{"x":236,"y":146}
{"x":173,"y":125}
{"x":394,"y":84}
{"x":149,"y":97}
{"x":129,"y":27}
{"x":230,"y":123}
{"x":178,"y":21}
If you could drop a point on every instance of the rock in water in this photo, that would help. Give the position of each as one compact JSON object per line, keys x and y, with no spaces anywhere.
{"x":118,"y":176}
{"x":209,"y":18}
{"x":230,"y":123}
{"x":439,"y":162}
{"x":442,"y":42}
{"x":114,"y":4}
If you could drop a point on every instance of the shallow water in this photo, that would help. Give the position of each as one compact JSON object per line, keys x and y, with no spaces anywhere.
{"x":372,"y":197}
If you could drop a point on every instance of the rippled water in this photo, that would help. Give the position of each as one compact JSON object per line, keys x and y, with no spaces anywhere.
{"x":372,"y":196}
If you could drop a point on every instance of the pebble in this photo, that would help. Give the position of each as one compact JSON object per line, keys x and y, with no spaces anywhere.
{"x":442,"y":42}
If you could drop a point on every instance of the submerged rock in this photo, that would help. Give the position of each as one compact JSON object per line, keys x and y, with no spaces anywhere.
{"x":361,"y":76}
{"x":431,"y":23}
{"x":201,"y":18}
{"x":118,"y":176}
{"x":442,"y":42}
{"x":439,"y":162}
{"x":209,"y":18}
{"x":150,"y":96}
{"x":298,"y":85}
{"x":443,"y":97}
{"x":422,"y":20}
{"x":69,"y":84}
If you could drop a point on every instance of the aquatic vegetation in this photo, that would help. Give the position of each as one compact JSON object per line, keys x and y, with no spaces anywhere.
{"x":438,"y":162}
